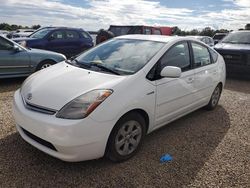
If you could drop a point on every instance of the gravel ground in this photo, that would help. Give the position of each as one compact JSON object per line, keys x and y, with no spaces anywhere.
{"x":209,"y":149}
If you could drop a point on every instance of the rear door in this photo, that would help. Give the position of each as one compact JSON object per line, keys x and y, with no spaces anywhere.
{"x":73,"y":44}
{"x":13,"y":62}
{"x":174,"y":96}
{"x":206,"y":72}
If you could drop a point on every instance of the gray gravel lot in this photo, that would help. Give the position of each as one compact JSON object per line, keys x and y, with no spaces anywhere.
{"x":209,"y":149}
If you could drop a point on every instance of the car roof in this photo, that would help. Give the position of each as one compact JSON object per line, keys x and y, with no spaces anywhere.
{"x":156,"y":38}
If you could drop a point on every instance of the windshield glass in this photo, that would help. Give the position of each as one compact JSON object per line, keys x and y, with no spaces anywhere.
{"x":40,"y":33}
{"x":237,"y":38}
{"x":119,"y":56}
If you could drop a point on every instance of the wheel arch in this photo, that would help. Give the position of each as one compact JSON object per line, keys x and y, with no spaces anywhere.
{"x":44,"y":61}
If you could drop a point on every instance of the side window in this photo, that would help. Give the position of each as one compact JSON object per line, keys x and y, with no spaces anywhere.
{"x":214,"y":55}
{"x":156,"y":32}
{"x":147,"y":31}
{"x":201,"y":55}
{"x":177,"y":56}
{"x":72,"y":35}
{"x":5,"y":45}
{"x":57,"y":35}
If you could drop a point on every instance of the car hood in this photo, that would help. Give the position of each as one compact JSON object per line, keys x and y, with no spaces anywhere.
{"x":43,"y":53}
{"x":57,"y":85}
{"x":228,"y":46}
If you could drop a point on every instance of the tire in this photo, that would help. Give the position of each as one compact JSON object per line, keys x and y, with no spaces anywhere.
{"x":103,"y":35}
{"x":45,"y":64}
{"x":126,"y":137}
{"x":214,"y":98}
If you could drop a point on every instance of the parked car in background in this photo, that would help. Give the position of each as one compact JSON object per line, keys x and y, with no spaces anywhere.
{"x":4,"y":33}
{"x":235,"y":48}
{"x":118,"y":30}
{"x":18,"y":61}
{"x":218,"y":37}
{"x":65,"y":40}
{"x":207,"y":40}
{"x":20,"y":33}
{"x":152,"y":78}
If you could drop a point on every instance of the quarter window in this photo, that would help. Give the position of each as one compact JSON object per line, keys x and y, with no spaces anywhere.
{"x":177,"y":56}
{"x":201,"y":55}
{"x":214,"y":55}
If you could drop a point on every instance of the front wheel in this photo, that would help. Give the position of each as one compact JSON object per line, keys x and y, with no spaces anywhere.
{"x":45,"y":64}
{"x":214,"y":98}
{"x":126,"y":137}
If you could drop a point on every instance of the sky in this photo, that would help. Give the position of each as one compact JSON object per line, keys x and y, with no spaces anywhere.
{"x":96,"y":14}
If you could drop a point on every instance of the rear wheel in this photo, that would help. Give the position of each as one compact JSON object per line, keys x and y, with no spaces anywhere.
{"x":45,"y":64}
{"x":214,"y":98}
{"x":126,"y":137}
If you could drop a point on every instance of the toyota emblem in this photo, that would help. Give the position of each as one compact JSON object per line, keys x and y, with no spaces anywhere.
{"x":29,"y":96}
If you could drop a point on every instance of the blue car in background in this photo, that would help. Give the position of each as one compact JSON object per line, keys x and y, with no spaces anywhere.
{"x":18,"y":61}
{"x":64,"y":40}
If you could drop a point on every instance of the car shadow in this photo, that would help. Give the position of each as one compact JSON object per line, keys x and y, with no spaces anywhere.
{"x":10,"y":84}
{"x":238,"y":85}
{"x":190,"y":140}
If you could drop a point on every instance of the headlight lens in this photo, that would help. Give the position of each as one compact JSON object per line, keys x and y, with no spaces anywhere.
{"x":83,"y":105}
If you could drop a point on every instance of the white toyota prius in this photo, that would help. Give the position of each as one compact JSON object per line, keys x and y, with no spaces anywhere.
{"x":103,"y":102}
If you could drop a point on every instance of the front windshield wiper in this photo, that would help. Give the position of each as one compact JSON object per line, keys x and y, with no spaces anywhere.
{"x":78,"y":63}
{"x":103,"y":67}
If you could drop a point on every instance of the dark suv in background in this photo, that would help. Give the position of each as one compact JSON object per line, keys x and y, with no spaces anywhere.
{"x":68,"y":41}
{"x":235,"y":48}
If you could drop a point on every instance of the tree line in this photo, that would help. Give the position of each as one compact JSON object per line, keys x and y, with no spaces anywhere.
{"x":13,"y":27}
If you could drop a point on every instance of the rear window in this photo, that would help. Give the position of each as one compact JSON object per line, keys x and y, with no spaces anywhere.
{"x":219,"y":37}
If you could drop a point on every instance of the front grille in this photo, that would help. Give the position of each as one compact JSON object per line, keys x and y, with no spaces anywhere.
{"x":39,"y":140}
{"x":39,"y":108}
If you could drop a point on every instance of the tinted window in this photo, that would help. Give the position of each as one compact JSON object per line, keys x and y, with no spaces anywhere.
{"x":157,"y":32}
{"x":201,"y":55}
{"x":5,"y":45}
{"x":57,"y":35}
{"x":147,"y":31}
{"x":72,"y":35}
{"x":177,"y":56}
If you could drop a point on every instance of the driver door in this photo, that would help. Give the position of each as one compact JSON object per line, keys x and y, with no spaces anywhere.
{"x":13,"y":61}
{"x":174,"y":96}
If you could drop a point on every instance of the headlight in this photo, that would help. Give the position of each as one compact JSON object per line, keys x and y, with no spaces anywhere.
{"x":22,"y":43}
{"x":83,"y":105}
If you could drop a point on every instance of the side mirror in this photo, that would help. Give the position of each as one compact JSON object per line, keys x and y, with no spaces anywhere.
{"x":171,"y":72}
{"x":16,"y":49}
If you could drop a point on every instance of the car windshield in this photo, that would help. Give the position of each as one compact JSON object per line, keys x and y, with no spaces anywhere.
{"x":40,"y":33}
{"x":119,"y":56}
{"x":237,"y":38}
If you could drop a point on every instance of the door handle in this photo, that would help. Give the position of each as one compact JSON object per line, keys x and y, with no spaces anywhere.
{"x":190,"y":80}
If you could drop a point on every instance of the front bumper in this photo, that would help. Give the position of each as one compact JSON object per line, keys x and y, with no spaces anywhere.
{"x":73,"y":140}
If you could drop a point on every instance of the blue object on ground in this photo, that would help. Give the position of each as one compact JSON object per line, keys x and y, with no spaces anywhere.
{"x":166,"y":158}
